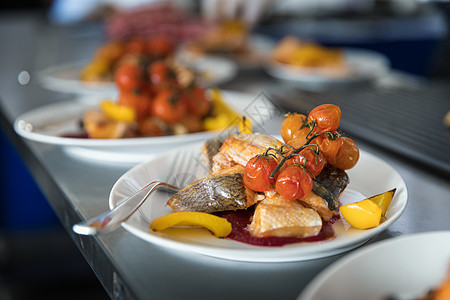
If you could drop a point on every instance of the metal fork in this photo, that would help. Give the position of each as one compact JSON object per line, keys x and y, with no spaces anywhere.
{"x":110,"y":220}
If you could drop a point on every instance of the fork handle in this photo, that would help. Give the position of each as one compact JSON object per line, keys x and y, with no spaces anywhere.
{"x":110,"y":220}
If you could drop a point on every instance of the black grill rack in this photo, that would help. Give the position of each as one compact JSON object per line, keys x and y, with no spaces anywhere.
{"x":405,"y":119}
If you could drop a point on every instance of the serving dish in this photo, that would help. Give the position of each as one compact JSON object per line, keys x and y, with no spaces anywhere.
{"x":59,"y":124}
{"x":180,"y":167}
{"x":363,"y":66}
{"x":405,"y":267}
{"x":64,"y":78}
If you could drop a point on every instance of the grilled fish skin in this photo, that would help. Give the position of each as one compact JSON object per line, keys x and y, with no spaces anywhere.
{"x":210,"y":148}
{"x":330,"y":184}
{"x":220,"y":191}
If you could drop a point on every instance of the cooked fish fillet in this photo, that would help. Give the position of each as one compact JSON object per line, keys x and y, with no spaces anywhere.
{"x":317,"y":203}
{"x":220,"y":191}
{"x":275,"y":216}
{"x":239,"y":148}
{"x":99,"y":126}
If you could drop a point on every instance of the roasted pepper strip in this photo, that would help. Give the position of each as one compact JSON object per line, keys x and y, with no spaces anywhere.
{"x":223,"y":116}
{"x":217,"y":225}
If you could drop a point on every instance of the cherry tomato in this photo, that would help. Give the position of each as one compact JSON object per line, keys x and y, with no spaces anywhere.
{"x":168,"y":106}
{"x":139,"y":100}
{"x":315,"y":161}
{"x":257,"y":172}
{"x":161,"y":75}
{"x":348,"y":156}
{"x":129,"y":77}
{"x":330,"y":149}
{"x":327,"y":117}
{"x":300,"y":137}
{"x":136,"y":46}
{"x":291,"y":124}
{"x":160,"y":46}
{"x":294,"y":183}
{"x":197,"y":102}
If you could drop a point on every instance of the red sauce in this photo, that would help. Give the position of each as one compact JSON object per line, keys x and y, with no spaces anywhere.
{"x":242,"y":218}
{"x":76,"y":136}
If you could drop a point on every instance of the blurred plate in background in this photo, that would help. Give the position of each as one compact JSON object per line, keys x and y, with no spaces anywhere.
{"x":363,"y":66}
{"x":64,"y":78}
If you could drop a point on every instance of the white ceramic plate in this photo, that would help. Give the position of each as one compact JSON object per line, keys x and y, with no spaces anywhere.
{"x":49,"y":124}
{"x":364,"y":65}
{"x":371,"y":176}
{"x":405,"y":267}
{"x":65,"y":78}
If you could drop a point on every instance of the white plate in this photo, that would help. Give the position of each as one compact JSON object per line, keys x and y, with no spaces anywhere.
{"x":364,"y":65}
{"x":371,"y":176}
{"x":49,"y":123}
{"x":405,"y":267}
{"x":65,"y":78}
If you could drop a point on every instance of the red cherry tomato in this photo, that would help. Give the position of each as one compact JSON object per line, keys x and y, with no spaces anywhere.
{"x":161,"y":75}
{"x":136,"y":46}
{"x":139,"y":100}
{"x":300,"y":137}
{"x":168,"y":106}
{"x":294,"y":183}
{"x":327,"y":117}
{"x":315,"y":161}
{"x":197,"y":102}
{"x":160,"y":46}
{"x":291,"y":124}
{"x":348,"y":156}
{"x":129,"y":77}
{"x":257,"y":172}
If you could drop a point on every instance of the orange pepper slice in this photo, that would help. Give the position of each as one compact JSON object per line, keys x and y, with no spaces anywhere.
{"x":220,"y":227}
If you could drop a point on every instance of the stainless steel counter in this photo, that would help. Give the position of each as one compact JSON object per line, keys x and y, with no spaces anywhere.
{"x":77,"y":189}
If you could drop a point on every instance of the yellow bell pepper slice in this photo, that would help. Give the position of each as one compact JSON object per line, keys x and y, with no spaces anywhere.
{"x":383,"y":200}
{"x":217,"y":225}
{"x":223,"y":116}
{"x":363,"y":214}
{"x":118,"y":112}
{"x":95,"y":70}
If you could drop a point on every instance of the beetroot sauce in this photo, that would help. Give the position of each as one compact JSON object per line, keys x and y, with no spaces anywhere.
{"x":240,"y":219}
{"x":82,"y":135}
